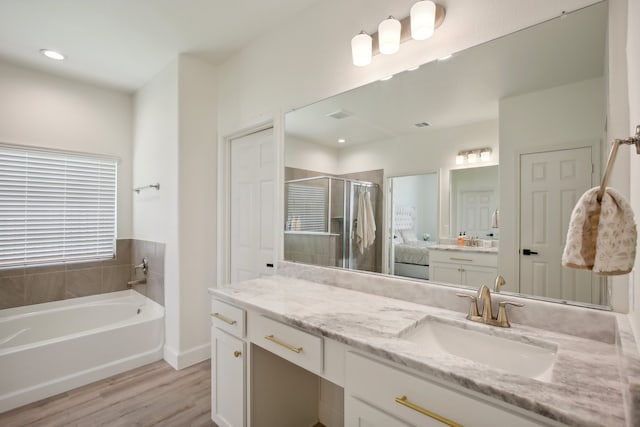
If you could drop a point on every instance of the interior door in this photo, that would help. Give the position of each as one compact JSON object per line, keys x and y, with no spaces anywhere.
{"x":252,"y":179}
{"x":551,"y":183}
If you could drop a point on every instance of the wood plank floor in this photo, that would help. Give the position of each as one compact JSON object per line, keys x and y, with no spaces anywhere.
{"x":153,"y":395}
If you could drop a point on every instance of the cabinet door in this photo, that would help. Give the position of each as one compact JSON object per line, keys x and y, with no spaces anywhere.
{"x":359,"y":414}
{"x":227,"y":379}
{"x":443,"y":272}
{"x":475,"y":276}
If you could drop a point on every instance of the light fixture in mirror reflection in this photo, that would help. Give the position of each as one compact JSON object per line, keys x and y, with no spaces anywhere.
{"x":473,"y":156}
{"x":541,"y":122}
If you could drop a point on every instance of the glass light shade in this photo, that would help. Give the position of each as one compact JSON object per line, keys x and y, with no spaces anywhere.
{"x":389,"y":35}
{"x":485,"y":156}
{"x":423,"y":20}
{"x":472,"y":157}
{"x":460,"y":159}
{"x":361,"y":46}
{"x":52,"y":54}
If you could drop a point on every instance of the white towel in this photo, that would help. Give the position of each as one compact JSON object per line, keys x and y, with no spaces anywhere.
{"x":365,"y":227}
{"x":601,"y":236}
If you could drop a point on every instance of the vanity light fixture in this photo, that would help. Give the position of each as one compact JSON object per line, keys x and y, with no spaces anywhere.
{"x":413,"y":68}
{"x":389,"y":35}
{"x":473,"y":156}
{"x":424,"y":17}
{"x":385,"y":78}
{"x":52,"y":54}
{"x":361,"y":48}
{"x":342,"y":141}
{"x":444,"y":58}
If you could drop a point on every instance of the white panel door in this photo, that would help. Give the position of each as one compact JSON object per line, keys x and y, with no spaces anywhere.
{"x":252,"y":211}
{"x":474,"y":211}
{"x":550,"y":185}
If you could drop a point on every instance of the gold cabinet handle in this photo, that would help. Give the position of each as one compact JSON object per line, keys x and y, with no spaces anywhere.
{"x":405,"y":402}
{"x":460,"y":259}
{"x":237,"y":353}
{"x":224,"y":319}
{"x":283,"y":344}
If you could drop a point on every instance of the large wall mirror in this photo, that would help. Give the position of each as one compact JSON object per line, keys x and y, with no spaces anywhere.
{"x":498,"y":142}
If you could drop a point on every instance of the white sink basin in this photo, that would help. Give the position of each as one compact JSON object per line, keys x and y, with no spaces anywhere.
{"x":525,"y":359}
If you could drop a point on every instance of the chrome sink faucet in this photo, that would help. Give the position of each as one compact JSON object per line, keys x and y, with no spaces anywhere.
{"x":486,"y":315}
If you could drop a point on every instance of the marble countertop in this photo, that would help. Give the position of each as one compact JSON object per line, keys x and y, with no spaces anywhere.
{"x":589,"y":380}
{"x":443,"y":247}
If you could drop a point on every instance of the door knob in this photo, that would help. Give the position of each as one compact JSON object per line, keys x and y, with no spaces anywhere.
{"x":528,"y":252}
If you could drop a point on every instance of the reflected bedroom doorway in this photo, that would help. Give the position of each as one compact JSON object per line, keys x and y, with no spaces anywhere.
{"x":413,"y":212}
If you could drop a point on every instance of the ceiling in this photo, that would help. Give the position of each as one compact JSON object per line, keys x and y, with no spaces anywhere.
{"x":124,"y":43}
{"x":465,"y":88}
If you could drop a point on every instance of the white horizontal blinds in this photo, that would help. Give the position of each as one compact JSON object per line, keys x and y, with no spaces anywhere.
{"x":307,"y":207}
{"x":55,"y":207}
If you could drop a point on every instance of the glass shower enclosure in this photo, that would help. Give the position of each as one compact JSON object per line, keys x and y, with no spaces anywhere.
{"x":321,"y":222}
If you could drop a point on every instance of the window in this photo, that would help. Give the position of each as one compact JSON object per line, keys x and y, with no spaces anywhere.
{"x":55,"y":206}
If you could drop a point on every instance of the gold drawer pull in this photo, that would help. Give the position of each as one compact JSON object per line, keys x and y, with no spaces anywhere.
{"x":460,"y":259}
{"x":283,"y":344}
{"x":404,"y":402}
{"x":224,"y":319}
{"x":237,"y":353}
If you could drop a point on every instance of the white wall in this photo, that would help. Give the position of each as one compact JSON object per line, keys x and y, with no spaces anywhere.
{"x":308,"y":155}
{"x":175,"y":144}
{"x":571,"y":113}
{"x":155,"y":213}
{"x":432,"y":150}
{"x":44,"y":110}
{"x":196,"y":204}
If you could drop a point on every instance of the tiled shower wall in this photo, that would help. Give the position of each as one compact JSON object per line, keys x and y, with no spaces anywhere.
{"x":34,"y":285}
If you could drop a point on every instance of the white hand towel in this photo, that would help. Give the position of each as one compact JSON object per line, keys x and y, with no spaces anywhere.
{"x":601,"y":236}
{"x":365,"y":227}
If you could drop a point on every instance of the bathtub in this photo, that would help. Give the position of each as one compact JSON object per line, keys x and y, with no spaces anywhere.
{"x":53,"y":347}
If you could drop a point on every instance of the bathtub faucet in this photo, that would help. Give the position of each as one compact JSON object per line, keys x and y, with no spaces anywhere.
{"x":144,"y":265}
{"x":132,"y":283}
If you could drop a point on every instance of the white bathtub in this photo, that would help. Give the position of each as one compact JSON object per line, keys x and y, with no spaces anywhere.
{"x":49,"y":348}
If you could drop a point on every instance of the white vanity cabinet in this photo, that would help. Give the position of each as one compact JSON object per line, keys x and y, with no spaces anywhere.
{"x":463,"y":267}
{"x":382,"y":394}
{"x":228,"y":366}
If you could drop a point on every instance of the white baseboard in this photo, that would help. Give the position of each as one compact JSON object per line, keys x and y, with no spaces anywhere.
{"x":187,"y":358}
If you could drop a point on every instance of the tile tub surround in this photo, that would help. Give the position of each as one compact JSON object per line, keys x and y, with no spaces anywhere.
{"x":154,"y":252}
{"x":591,"y":379}
{"x":35,"y":285}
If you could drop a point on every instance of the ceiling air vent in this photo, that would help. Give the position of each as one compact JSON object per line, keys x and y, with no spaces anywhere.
{"x":340,"y":114}
{"x":421,"y":125}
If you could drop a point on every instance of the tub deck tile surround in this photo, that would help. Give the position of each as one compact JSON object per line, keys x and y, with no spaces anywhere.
{"x":34,"y":285}
{"x":153,"y":395}
{"x":596,"y":376}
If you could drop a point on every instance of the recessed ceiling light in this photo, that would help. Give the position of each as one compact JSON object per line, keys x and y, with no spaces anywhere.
{"x":384,"y":79}
{"x":342,"y":141}
{"x":52,"y":54}
{"x":444,"y":58}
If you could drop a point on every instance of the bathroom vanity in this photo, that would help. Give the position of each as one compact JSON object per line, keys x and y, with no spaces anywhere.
{"x":403,"y":364}
{"x":462,"y":265}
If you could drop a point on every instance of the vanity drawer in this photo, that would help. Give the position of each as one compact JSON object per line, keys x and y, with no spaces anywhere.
{"x":294,"y":345}
{"x":387,"y":388}
{"x":463,"y":257}
{"x":227,"y":317}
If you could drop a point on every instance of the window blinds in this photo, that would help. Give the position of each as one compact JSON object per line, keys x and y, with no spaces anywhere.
{"x":55,"y":207}
{"x":307,"y":207}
